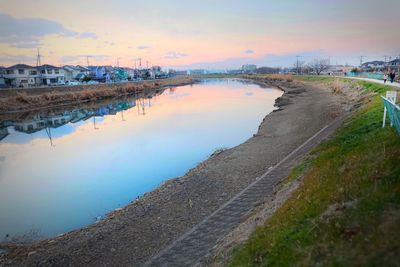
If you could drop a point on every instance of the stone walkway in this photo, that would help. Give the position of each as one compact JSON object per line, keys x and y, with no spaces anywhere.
{"x":192,"y":247}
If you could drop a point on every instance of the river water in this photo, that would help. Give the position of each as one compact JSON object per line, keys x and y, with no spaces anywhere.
{"x":62,"y":171}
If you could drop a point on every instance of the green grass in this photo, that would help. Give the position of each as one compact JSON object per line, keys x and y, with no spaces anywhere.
{"x":360,"y":165}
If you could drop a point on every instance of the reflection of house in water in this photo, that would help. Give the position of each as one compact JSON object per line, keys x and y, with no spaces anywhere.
{"x":38,"y":123}
{"x":42,"y":122}
{"x":3,"y":133}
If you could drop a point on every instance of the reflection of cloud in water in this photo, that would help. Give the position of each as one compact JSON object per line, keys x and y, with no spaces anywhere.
{"x":249,"y":93}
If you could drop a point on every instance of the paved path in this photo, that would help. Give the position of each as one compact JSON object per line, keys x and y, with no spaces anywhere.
{"x":192,"y":247}
{"x":395,"y":84}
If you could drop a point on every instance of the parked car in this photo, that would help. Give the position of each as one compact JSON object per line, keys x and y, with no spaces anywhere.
{"x":72,"y":83}
{"x":92,"y":82}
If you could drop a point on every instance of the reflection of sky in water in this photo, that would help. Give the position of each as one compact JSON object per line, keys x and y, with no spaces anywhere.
{"x":89,"y":172}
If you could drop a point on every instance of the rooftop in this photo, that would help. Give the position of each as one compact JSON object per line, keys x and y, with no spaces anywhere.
{"x":20,"y":66}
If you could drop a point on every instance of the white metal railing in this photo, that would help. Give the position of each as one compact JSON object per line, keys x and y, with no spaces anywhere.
{"x":392,"y":110}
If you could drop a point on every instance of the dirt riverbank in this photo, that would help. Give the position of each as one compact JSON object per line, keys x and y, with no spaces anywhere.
{"x":22,"y":100}
{"x":130,"y":236}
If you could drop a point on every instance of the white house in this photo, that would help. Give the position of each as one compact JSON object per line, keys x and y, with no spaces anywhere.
{"x":72,"y":72}
{"x":21,"y":75}
{"x":50,"y":75}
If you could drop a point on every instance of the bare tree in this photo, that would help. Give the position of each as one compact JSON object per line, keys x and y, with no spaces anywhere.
{"x":319,"y":65}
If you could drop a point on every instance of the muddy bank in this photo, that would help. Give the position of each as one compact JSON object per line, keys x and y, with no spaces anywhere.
{"x":22,"y":100}
{"x":131,"y":235}
{"x":89,"y":105}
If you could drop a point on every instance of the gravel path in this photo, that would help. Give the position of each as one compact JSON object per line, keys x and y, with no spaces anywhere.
{"x":133,"y":235}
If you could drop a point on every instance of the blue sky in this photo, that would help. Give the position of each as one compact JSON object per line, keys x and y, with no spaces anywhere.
{"x":215,"y":34}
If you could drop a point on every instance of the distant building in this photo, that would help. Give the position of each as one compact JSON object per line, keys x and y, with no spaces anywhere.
{"x":373,"y":65}
{"x":173,"y":73}
{"x":215,"y":71}
{"x":266,"y":70}
{"x":394,"y":63}
{"x":197,"y":72}
{"x":238,"y":71}
{"x":249,"y":68}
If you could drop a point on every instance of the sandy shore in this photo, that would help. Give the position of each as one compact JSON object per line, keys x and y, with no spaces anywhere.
{"x":130,"y":236}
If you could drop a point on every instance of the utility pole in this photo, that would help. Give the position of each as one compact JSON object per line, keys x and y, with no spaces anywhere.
{"x":87,"y":60}
{"x":118,"y":61}
{"x":38,"y":65}
{"x":385,"y":59}
{"x":297,"y":64}
{"x":361,"y":60}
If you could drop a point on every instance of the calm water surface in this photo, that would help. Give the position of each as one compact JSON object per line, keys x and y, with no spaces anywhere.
{"x":62,"y":172}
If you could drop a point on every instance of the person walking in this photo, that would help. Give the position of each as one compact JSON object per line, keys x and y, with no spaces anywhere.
{"x":392,"y":76}
{"x":385,"y":77}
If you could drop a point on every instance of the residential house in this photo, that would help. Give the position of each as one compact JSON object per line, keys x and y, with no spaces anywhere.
{"x":101,"y":73}
{"x":50,"y":75}
{"x":21,"y":75}
{"x":131,"y":73}
{"x":120,"y":74}
{"x":72,"y":73}
{"x":2,"y":79}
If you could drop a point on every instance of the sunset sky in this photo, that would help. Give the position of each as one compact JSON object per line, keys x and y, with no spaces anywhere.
{"x":191,"y":34}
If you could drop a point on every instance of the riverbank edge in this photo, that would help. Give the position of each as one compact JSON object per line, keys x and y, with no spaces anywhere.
{"x":262,"y":84}
{"x":36,"y":99}
{"x":335,"y":210}
{"x":21,"y":250}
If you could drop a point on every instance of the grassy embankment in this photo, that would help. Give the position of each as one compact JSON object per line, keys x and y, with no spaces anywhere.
{"x":347,"y":210}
